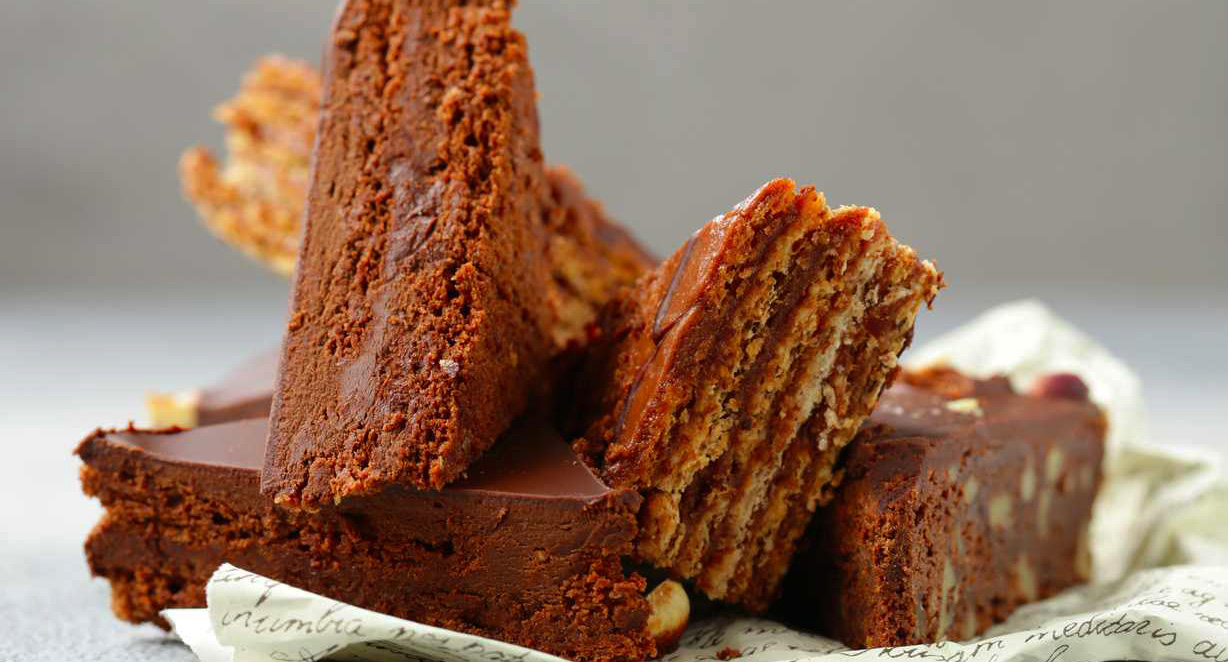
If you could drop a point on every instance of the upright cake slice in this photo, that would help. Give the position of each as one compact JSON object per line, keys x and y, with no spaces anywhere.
{"x":733,"y":374}
{"x":419,"y":325}
{"x":961,"y":501}
{"x":255,"y":200}
{"x":527,"y":549}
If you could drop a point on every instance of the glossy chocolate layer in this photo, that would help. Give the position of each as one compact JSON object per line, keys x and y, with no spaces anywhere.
{"x":246,"y":392}
{"x":532,"y":460}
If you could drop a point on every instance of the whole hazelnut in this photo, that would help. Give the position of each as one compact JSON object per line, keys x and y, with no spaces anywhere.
{"x":1060,"y":385}
{"x":669,"y":614}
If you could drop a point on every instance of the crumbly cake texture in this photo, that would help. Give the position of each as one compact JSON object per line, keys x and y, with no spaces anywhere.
{"x":419,"y":326}
{"x":961,"y":501}
{"x":527,"y":549}
{"x":256,"y":200}
{"x":729,"y":378}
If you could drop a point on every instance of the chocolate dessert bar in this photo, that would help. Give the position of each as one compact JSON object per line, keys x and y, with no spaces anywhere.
{"x":255,"y":200}
{"x":419,"y":325}
{"x":245,"y":392}
{"x":961,"y":501}
{"x":528,"y":548}
{"x":731,"y":377}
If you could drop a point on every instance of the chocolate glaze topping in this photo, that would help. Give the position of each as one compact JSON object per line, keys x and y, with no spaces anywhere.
{"x":906,"y":410}
{"x":236,"y":445}
{"x":532,"y":460}
{"x":691,"y":274}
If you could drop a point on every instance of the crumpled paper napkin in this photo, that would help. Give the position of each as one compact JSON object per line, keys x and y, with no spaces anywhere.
{"x":1159,"y":549}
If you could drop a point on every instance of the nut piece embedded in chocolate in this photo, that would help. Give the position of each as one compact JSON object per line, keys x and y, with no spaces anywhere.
{"x":1060,"y":385}
{"x":245,"y":392}
{"x":670,"y":613}
{"x":174,"y":410}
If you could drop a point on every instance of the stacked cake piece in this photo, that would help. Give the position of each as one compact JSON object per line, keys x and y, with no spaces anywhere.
{"x":962,"y":500}
{"x":493,"y":412}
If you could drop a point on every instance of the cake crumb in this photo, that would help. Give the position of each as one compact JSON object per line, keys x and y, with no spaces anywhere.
{"x":728,"y":653}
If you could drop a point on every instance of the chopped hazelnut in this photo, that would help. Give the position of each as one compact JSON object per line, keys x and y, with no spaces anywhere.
{"x":1025,"y":577}
{"x":670,"y":611}
{"x":173,"y":410}
{"x":1000,"y":511}
{"x":1027,"y":482}
{"x":970,"y":490}
{"x":940,"y":379}
{"x":1060,"y":385}
{"x":1053,"y":464}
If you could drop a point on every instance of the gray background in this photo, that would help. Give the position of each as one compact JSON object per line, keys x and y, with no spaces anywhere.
{"x":1072,"y":151}
{"x":1021,"y":144}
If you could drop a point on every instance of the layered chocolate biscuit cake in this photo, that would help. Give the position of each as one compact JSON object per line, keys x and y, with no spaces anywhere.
{"x":420,"y":327}
{"x":730,"y":377}
{"x":255,"y":200}
{"x":962,"y":500}
{"x":528,"y":548}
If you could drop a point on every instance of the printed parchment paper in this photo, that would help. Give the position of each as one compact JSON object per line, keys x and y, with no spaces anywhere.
{"x":1159,"y":507}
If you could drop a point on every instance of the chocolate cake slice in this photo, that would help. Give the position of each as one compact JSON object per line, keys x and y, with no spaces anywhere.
{"x":962,"y":500}
{"x":420,"y":326}
{"x":528,"y":548}
{"x":732,"y":375}
{"x":255,"y":200}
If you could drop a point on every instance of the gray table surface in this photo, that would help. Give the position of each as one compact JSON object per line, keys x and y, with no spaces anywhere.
{"x":71,"y":361}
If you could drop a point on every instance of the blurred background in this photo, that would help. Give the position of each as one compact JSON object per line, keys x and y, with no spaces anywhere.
{"x":1072,"y":152}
